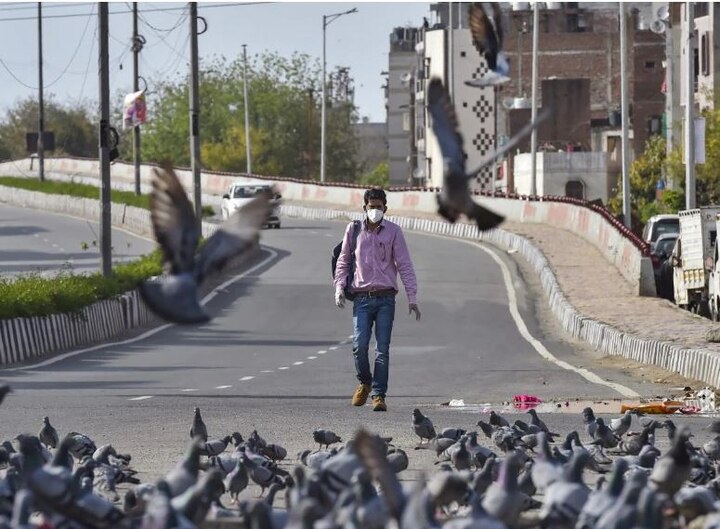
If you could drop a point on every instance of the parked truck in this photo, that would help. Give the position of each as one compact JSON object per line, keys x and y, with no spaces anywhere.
{"x":692,"y":259}
{"x":714,"y":279}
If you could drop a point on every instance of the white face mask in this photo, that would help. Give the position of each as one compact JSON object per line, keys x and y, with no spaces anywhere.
{"x":374,"y":215}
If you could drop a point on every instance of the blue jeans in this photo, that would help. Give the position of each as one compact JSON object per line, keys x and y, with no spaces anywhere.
{"x":367,"y":311}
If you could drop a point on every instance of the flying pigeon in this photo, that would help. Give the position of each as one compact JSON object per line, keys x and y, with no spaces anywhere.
{"x":175,"y":296}
{"x":487,"y":37}
{"x":455,"y":199}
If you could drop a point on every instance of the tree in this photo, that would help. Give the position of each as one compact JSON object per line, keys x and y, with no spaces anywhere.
{"x":284,"y":120}
{"x":645,"y":173}
{"x":75,"y":130}
{"x":378,"y":177}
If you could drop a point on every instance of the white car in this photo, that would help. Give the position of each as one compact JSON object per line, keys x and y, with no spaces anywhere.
{"x":242,"y":192}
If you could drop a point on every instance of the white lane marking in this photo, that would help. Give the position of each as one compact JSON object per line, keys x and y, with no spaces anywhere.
{"x":328,"y":235}
{"x":144,"y":397}
{"x":312,"y":357}
{"x":333,"y":348}
{"x":222,"y":387}
{"x":321,"y":352}
{"x":313,"y":232}
{"x":152,"y":332}
{"x":298,"y":363}
{"x":351,"y":336}
{"x":186,"y":390}
{"x":55,"y":245}
{"x":45,"y":240}
{"x":35,"y":235}
{"x":537,"y":344}
{"x":243,"y":379}
{"x":267,"y":371}
{"x":283,"y":368}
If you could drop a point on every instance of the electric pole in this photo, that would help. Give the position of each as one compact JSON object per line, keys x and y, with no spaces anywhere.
{"x":534,"y":89}
{"x":625,"y":118}
{"x":689,"y":107}
{"x":41,"y":106}
{"x":195,"y":112}
{"x":247,"y":112}
{"x":136,"y":47}
{"x":104,"y":67}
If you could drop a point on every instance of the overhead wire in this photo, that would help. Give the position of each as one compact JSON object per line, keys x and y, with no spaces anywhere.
{"x":122,"y":11}
{"x":77,"y":49}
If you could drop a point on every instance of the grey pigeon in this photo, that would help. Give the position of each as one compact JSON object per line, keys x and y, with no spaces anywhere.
{"x":214,"y":447}
{"x":175,"y":296}
{"x":451,"y":433}
{"x":622,"y":513}
{"x":274,"y":452}
{"x":503,"y":500}
{"x":712,"y":448}
{"x":601,"y":500}
{"x":4,"y":390}
{"x":485,"y":21}
{"x":454,"y":198}
{"x":195,"y":502}
{"x":422,"y":426}
{"x":438,"y":444}
{"x":484,"y":477}
{"x":604,"y":436}
{"x":461,"y":458}
{"x":565,"y":498}
{"x":546,"y":469}
{"x":496,"y":419}
{"x":326,"y":437}
{"x":671,"y":470}
{"x":236,"y":481}
{"x":22,"y":509}
{"x":198,"y":428}
{"x":620,"y":426}
{"x":159,"y":513}
{"x":48,"y":434}
{"x":371,"y":453}
{"x":398,"y":460}
{"x":186,"y":472}
{"x":590,"y":422}
{"x":81,"y":445}
{"x":262,"y":476}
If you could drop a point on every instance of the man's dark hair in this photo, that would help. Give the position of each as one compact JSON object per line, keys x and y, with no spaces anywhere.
{"x":375,"y":192}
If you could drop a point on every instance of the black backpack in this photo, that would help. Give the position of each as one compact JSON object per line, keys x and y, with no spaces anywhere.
{"x":336,"y":253}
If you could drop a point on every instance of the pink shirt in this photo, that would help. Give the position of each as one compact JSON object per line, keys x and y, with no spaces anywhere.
{"x":379,"y":256}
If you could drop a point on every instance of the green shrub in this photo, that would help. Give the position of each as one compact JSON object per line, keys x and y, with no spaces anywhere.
{"x":32,"y":295}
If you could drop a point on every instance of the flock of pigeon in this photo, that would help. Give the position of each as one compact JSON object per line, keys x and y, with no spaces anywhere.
{"x":523,"y":476}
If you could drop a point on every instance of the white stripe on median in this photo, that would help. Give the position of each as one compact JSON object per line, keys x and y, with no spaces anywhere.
{"x":144,"y":397}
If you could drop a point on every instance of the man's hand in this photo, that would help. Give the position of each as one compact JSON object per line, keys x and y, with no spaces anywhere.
{"x":414,"y":308}
{"x":339,"y":298}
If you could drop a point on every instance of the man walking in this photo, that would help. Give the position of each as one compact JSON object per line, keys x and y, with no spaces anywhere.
{"x":380,"y":254}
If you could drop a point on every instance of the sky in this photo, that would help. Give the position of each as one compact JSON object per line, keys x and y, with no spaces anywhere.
{"x":359,"y":41}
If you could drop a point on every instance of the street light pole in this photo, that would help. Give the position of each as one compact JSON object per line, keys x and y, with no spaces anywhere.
{"x":689,"y":104}
{"x":195,"y":112}
{"x":136,"y":47}
{"x":625,"y":118}
{"x":41,"y":104}
{"x":533,"y":112}
{"x":104,"y":148}
{"x":327,"y":20}
{"x":247,"y":113}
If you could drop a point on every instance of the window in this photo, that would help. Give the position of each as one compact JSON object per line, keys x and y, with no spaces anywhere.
{"x":654,"y":125}
{"x":705,"y":54}
{"x":463,"y":54}
{"x":575,"y":189}
{"x":649,"y":65}
{"x":406,"y":121}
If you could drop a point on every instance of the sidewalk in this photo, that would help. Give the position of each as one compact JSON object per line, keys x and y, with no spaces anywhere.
{"x":597,"y":290}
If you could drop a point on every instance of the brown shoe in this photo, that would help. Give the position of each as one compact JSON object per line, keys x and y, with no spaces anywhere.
{"x":378,"y":403}
{"x":360,"y":396}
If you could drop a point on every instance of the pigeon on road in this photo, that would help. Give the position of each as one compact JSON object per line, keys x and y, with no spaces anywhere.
{"x":48,"y":434}
{"x":175,"y":296}
{"x":198,"y":428}
{"x":422,"y":426}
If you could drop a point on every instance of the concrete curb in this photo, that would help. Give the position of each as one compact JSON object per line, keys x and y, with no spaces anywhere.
{"x":23,"y":339}
{"x":699,"y":364}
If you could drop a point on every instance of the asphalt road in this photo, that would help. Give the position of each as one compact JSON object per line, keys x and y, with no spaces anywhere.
{"x":35,"y":241}
{"x":277,"y":358}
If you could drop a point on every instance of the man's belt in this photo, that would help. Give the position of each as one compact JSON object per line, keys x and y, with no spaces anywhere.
{"x":375,"y":293}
